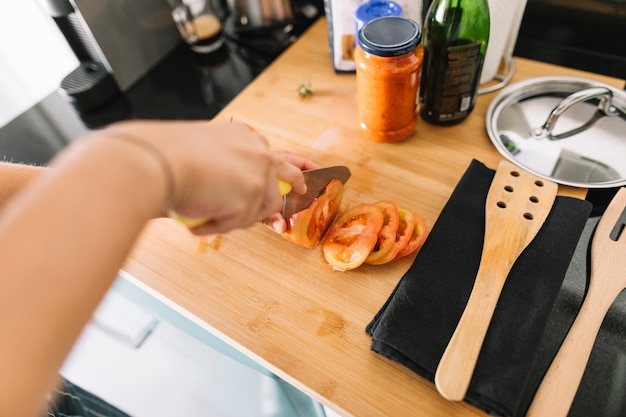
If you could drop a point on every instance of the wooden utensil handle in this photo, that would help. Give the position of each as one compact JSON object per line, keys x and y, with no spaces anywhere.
{"x":456,"y":367}
{"x":558,"y":387}
{"x":516,"y":206}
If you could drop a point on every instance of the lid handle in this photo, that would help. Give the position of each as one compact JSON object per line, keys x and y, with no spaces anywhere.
{"x":605,"y":108}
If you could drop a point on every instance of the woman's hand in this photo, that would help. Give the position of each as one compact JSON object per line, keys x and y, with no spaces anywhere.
{"x":276,"y":221}
{"x":222,"y":171}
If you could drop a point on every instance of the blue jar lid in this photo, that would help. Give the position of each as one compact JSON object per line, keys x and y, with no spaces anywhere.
{"x":390,"y":36}
{"x":373,"y":9}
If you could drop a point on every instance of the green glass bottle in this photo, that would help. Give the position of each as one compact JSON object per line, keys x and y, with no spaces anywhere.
{"x":455,"y":39}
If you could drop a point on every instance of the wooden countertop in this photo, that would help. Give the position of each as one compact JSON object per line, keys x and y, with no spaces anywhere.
{"x":281,"y":304}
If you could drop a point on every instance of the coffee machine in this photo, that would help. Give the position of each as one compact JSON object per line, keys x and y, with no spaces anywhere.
{"x":116,"y":42}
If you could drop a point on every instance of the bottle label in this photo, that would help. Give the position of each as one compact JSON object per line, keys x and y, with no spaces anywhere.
{"x":460,"y":80}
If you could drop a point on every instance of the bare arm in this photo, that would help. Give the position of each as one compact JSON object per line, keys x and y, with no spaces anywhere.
{"x":63,"y":240}
{"x":14,"y":177}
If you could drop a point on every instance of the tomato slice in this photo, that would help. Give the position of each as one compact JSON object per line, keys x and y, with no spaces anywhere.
{"x":418,"y":236}
{"x":387,"y":234}
{"x":403,"y":234}
{"x":308,"y":227}
{"x":352,"y":236}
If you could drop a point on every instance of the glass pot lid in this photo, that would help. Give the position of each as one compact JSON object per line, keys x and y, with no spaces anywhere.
{"x":568,"y":130}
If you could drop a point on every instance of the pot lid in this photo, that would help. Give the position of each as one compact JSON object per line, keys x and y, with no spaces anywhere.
{"x":568,"y":130}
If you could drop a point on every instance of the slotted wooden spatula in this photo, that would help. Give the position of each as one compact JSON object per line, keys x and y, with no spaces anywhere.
{"x":516,"y":207}
{"x":607,"y":280}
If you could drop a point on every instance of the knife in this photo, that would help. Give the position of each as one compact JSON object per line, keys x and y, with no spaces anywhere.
{"x":316,"y":182}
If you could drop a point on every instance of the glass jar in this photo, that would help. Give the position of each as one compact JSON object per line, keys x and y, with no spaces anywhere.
{"x":388,"y":64}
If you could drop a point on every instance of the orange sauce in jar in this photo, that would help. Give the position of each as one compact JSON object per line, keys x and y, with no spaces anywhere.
{"x":388,"y":64}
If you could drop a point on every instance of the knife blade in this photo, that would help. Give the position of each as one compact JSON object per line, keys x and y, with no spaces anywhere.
{"x":316,"y":181}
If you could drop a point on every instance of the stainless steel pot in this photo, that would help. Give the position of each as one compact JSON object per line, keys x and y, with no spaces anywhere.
{"x":260,"y":13}
{"x":566,"y":129}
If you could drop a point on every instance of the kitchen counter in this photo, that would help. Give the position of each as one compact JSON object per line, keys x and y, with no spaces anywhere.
{"x":281,"y":304}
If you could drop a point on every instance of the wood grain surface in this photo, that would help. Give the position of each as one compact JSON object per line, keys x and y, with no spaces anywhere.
{"x":281,"y":304}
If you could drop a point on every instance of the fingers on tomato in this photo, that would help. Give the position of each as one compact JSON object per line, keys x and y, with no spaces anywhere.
{"x":403,"y":233}
{"x":308,"y":227}
{"x":352,"y":236}
{"x":418,"y":236}
{"x":387,"y":234}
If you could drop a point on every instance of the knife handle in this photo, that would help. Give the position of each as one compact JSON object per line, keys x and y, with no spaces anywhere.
{"x":284,"y":188}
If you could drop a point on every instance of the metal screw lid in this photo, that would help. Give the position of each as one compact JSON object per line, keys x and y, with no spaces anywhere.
{"x":390,"y":36}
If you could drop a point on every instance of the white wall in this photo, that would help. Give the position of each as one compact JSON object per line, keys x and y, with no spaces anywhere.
{"x":34,"y":57}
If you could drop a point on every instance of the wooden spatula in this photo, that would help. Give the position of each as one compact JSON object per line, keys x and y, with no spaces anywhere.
{"x":608,"y":278}
{"x":516,"y":208}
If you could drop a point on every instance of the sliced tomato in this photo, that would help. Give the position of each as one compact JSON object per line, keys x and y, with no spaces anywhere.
{"x":403,"y":234}
{"x":352,"y":236}
{"x":387,"y":234}
{"x":418,"y":236}
{"x":308,"y":227}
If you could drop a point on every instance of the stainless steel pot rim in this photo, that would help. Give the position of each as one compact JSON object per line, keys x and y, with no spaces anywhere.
{"x":572,"y":159}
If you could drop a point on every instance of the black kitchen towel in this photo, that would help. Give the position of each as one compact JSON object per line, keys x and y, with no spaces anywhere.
{"x":417,"y":321}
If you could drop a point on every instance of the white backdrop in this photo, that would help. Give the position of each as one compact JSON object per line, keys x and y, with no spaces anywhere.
{"x":34,"y":57}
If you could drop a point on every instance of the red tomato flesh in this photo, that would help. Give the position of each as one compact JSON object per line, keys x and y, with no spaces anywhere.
{"x":308,"y":227}
{"x":418,"y":236}
{"x":352,"y":236}
{"x":387,"y":234}
{"x":402,"y":236}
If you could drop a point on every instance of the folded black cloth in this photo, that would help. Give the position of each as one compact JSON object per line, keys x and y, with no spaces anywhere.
{"x":416,"y":323}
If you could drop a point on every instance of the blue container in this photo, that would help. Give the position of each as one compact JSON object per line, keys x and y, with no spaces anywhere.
{"x":372,"y":10}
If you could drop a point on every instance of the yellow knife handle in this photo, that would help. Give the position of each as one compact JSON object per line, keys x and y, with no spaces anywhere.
{"x":284,"y":188}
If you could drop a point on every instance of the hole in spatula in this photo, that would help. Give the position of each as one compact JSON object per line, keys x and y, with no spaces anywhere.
{"x":533,"y":199}
{"x":501,"y":204}
{"x":539,"y":183}
{"x":514,"y":174}
{"x":528,"y":216}
{"x":619,"y":226}
{"x":508,"y":188}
